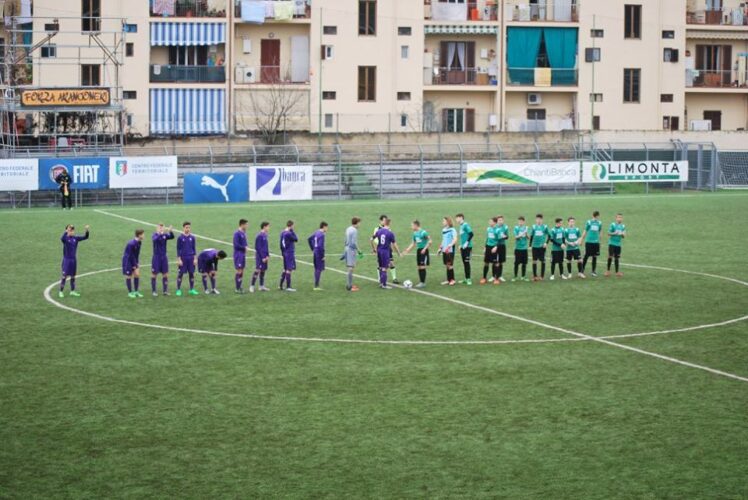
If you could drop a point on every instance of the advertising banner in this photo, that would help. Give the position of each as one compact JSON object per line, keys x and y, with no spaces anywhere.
{"x":19,"y":175}
{"x":216,"y":188}
{"x":634,"y":171}
{"x":87,"y":173}
{"x":523,"y":173}
{"x":142,"y":171}
{"x":65,"y":98}
{"x":280,"y":183}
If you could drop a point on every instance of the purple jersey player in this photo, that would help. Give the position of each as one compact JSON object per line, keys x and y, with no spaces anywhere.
{"x":160,"y":260}
{"x":288,"y":241}
{"x":317,"y":245}
{"x":131,"y":264}
{"x":207,"y":265}
{"x":69,"y":258}
{"x":262,"y":256}
{"x":186,"y":258}
{"x":385,"y":241}
{"x":240,"y":253}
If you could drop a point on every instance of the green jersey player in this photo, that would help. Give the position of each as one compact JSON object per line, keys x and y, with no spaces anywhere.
{"x":491,"y":254}
{"x":558,"y":244}
{"x":539,"y":241}
{"x":591,"y":238}
{"x":421,"y":242}
{"x":573,"y":236}
{"x":502,"y":231}
{"x":521,"y":242}
{"x":616,"y":234}
{"x":466,"y":245}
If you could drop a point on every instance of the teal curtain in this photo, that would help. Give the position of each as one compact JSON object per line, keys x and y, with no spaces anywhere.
{"x":561,"y":46}
{"x":523,"y":45}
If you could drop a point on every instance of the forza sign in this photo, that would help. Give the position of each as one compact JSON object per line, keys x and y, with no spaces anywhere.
{"x":634,"y":171}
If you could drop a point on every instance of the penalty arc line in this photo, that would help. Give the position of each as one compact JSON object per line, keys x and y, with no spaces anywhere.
{"x":578,"y":335}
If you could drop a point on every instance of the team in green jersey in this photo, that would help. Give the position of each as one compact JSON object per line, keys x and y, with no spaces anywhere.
{"x":421,"y":242}
{"x":495,"y":254}
{"x":465,"y":233}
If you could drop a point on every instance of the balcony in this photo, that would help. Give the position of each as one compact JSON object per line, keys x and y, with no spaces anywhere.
{"x":719,"y":17}
{"x":717,"y":79}
{"x":542,"y":77}
{"x":550,"y":124}
{"x":559,"y":11}
{"x":300,"y":10}
{"x":186,"y":8}
{"x":457,"y":76}
{"x":168,"y":73}
{"x":471,"y":10}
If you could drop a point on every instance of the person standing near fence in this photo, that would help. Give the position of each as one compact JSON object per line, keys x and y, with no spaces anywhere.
{"x":466,"y":246}
{"x":65,"y":182}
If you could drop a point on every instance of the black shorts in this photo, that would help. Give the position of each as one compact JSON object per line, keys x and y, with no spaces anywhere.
{"x":422,"y":259}
{"x":557,"y":256}
{"x":502,"y":254}
{"x":465,"y":253}
{"x":573,"y":254}
{"x":614,"y":251}
{"x":592,"y":249}
{"x":489,"y":257}
{"x":448,"y":258}
{"x":538,"y":253}
{"x":520,"y":256}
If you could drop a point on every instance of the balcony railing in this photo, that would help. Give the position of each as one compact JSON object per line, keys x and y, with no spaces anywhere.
{"x":185,"y":8}
{"x":167,"y":73}
{"x":726,"y":17}
{"x":457,"y":76}
{"x":471,"y":10}
{"x":542,"y":77}
{"x":550,"y":124}
{"x":717,"y":78}
{"x":542,"y":11}
{"x":302,"y":9}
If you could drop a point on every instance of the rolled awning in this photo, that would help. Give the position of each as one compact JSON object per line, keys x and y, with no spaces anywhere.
{"x":188,"y":111}
{"x":171,"y":34}
{"x":717,"y":35}
{"x":459,"y":29}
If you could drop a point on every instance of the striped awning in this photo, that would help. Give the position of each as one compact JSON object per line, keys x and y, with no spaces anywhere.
{"x":171,"y":34}
{"x":188,"y":111}
{"x":717,"y":35}
{"x":460,"y":29}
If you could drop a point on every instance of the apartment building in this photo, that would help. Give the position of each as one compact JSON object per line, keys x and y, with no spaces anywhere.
{"x":201,"y":67}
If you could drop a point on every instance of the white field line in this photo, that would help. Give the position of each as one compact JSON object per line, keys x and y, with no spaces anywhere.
{"x":506,"y":315}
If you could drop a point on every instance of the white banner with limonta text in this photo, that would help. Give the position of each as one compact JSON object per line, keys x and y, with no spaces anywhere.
{"x":142,"y":172}
{"x":523,"y":174}
{"x":19,"y":175}
{"x":634,"y":171}
{"x":267,"y":183}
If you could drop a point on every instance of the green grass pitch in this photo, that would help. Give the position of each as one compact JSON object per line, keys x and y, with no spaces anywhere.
{"x":92,"y":408}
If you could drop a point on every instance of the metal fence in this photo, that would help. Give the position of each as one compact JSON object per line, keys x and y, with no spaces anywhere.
{"x":398,"y":171}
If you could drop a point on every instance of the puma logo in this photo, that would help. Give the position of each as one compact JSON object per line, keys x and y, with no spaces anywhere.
{"x":212,"y":183}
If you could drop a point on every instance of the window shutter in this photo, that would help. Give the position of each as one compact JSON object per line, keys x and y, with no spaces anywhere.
{"x":443,"y":54}
{"x":470,"y":120}
{"x":471,"y":56}
{"x":445,"y":120}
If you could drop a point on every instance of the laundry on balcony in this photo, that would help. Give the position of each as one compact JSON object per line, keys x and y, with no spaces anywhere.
{"x":445,"y":11}
{"x":284,"y":10}
{"x":552,"y":50}
{"x":187,"y":34}
{"x":164,"y":7}
{"x":253,"y":12}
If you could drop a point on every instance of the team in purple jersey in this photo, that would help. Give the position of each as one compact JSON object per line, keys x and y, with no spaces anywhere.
{"x":131,"y":264}
{"x":385,"y":243}
{"x":288,"y":241}
{"x":186,"y":258}
{"x":262,"y":256}
{"x":240,"y":254}
{"x":70,"y":258}
{"x":207,"y":266}
{"x":160,"y":259}
{"x":317,"y":245}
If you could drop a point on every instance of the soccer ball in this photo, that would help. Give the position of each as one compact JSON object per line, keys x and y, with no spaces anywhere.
{"x":407,"y":284}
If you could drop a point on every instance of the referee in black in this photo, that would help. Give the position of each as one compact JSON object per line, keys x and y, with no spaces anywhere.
{"x":65,"y":181}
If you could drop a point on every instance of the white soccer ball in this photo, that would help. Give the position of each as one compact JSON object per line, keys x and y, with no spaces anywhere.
{"x":407,"y":284}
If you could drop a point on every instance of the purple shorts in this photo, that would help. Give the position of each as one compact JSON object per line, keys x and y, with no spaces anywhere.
{"x":188,"y":266}
{"x":240,"y":260}
{"x":289,"y":262}
{"x":69,"y":267}
{"x":384,"y":257}
{"x":319,"y":262}
{"x":259,"y":264}
{"x":128,"y":267}
{"x":160,"y":264}
{"x":206,"y":266}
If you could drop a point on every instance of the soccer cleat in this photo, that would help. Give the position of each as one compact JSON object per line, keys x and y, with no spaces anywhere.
{"x":468,"y":282}
{"x":445,"y":282}
{"x":316,"y":289}
{"x":452,"y":283}
{"x":216,"y":292}
{"x":75,"y":294}
{"x":207,"y":292}
{"x":421,"y":285}
{"x":179,"y":293}
{"x":581,"y":275}
{"x":525,"y":278}
{"x":564,"y":277}
{"x":193,"y":292}
{"x":132,"y":295}
{"x":239,"y":291}
{"x":61,"y":294}
{"x":483,"y":281}
{"x":514,"y":279}
{"x":385,"y":287}
{"x":594,"y":274}
{"x":607,"y":274}
{"x":155,"y":294}
{"x":264,"y":289}
{"x":252,"y":289}
{"x":290,"y":290}
{"x":496,"y":282}
{"x":553,"y":277}
{"x":138,"y":294}
{"x":501,"y":278}
{"x":354,"y":288}
{"x":620,"y":275}
{"x":166,"y":294}
{"x":396,"y":282}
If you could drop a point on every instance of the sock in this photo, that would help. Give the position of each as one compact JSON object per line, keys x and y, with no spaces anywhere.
{"x":317,"y":275}
{"x":534,"y":269}
{"x":553,"y":268}
{"x":422,"y":275}
{"x":262,"y":278}
{"x":394,"y":273}
{"x":383,"y":277}
{"x":349,"y":278}
{"x":153,"y":285}
{"x":179,"y":281}
{"x":288,"y":280}
{"x":580,"y":269}
{"x":72,"y":284}
{"x":495,"y":271}
{"x":500,"y":270}
{"x":192,"y":281}
{"x":254,"y":277}
{"x":584,"y":263}
{"x":165,"y":283}
{"x":610,"y":261}
{"x":516,"y":268}
{"x":451,"y":274}
{"x":62,"y":283}
{"x":568,"y":266}
{"x":618,"y":262}
{"x":467,"y":270}
{"x":212,"y":282}
{"x":594,"y":264}
{"x":128,"y":282}
{"x":205,"y":282}
{"x":485,"y":271}
{"x":282,"y":280}
{"x":136,"y":282}
{"x":238,"y":281}
{"x":524,"y":270}
{"x":542,"y":269}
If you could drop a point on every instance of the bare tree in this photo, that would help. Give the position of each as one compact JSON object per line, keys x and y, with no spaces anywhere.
{"x":271,"y":108}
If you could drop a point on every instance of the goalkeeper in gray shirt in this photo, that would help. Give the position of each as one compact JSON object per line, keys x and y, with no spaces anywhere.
{"x":351,"y":253}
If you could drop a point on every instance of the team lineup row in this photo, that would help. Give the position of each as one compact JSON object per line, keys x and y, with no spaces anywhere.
{"x":566,"y":243}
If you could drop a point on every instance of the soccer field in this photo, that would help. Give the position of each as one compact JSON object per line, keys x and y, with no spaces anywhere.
{"x":633,"y":387}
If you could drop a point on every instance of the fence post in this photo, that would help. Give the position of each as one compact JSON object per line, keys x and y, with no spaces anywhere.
{"x":29,"y":203}
{"x":684,"y":157}
{"x":210,"y":152}
{"x":167,"y":195}
{"x":381,"y":170}
{"x":537,"y":150}
{"x":646,"y":158}
{"x":298,"y":155}
{"x":459,"y":146}
{"x":714,"y":171}
{"x":699,"y":165}
{"x":122,"y":197}
{"x":254,"y":156}
{"x":420,"y":150}
{"x":340,"y":172}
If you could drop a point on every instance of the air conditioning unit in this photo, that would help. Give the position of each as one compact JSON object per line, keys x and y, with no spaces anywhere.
{"x":534,"y":99}
{"x":245,"y":74}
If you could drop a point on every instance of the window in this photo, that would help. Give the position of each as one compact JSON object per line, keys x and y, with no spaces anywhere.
{"x":715,"y":117}
{"x":91,"y":15}
{"x":367,"y":17}
{"x":592,"y":54}
{"x":668,"y":34}
{"x":597,"y":33}
{"x":329,"y":95}
{"x":129,"y":94}
{"x":536,"y":114}
{"x":670,"y":122}
{"x":130,"y":28}
{"x":367,"y":83}
{"x":631,"y":81}
{"x":596,"y":98}
{"x":404,"y":31}
{"x":194,"y":55}
{"x":90,"y":75}
{"x":632,"y":27}
{"x":404,"y":52}
{"x":329,"y":30}
{"x":49,"y":51}
{"x":403,"y":120}
{"x":596,"y":122}
{"x":666,"y":97}
{"x":130,"y":119}
{"x":327,"y":52}
{"x":458,"y":120}
{"x":129,"y":49}
{"x":670,"y":55}
{"x":403,"y":96}
{"x":328,"y":120}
